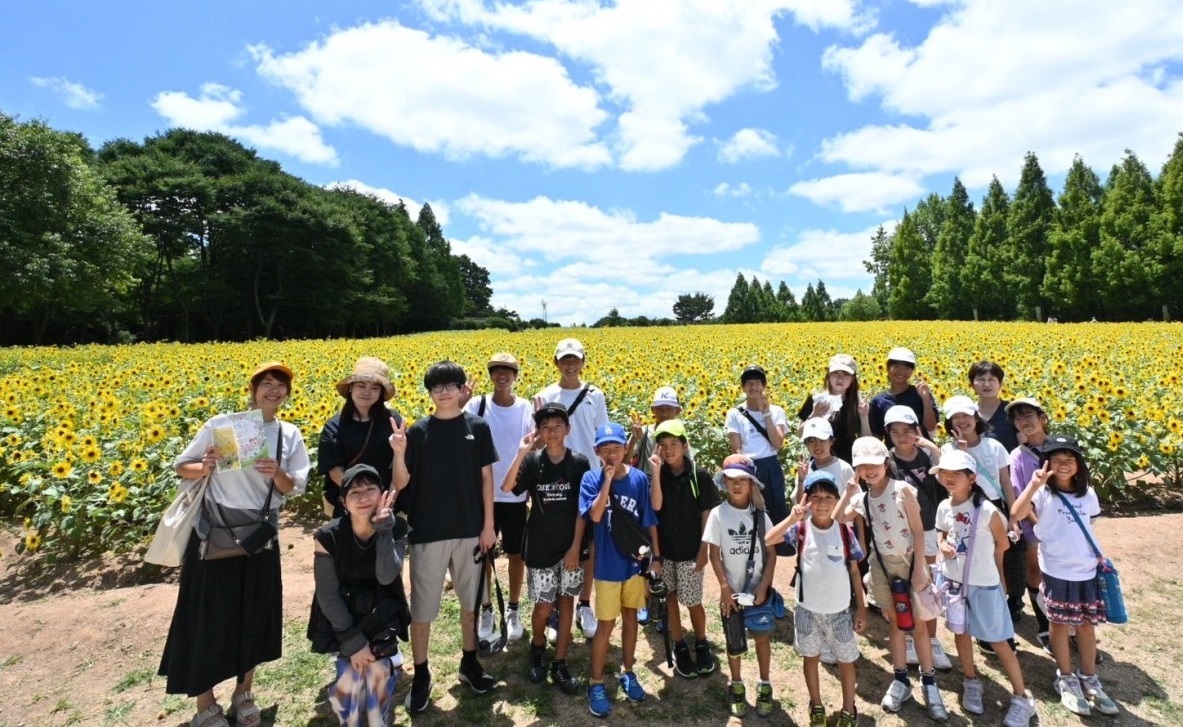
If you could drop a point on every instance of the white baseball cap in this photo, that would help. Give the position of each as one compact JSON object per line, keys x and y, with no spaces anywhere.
{"x":954,"y":461}
{"x":899,"y":353}
{"x":817,"y":428}
{"x":568,"y":347}
{"x":843,"y":362}
{"x":900,"y":414}
{"x":666,"y":396}
{"x":959,"y":405}
{"x":868,"y":450}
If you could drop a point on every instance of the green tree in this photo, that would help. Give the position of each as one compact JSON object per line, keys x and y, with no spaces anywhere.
{"x":694,"y":308}
{"x":909,"y":272}
{"x":945,"y":296}
{"x":1127,"y":250}
{"x":1071,"y":281}
{"x":1168,"y":222}
{"x":769,"y":309}
{"x":477,"y":291}
{"x":1028,"y":224}
{"x":861,"y":307}
{"x":982,"y":272}
{"x":787,"y":303}
{"x":740,"y":307}
{"x":827,"y":308}
{"x":877,"y":265}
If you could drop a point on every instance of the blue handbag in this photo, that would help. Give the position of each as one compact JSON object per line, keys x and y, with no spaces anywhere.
{"x":1108,"y":580}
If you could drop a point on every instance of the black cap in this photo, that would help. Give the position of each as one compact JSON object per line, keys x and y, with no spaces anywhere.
{"x":1060,"y":443}
{"x":754,"y":371}
{"x":551,"y":409}
{"x":361,"y":469}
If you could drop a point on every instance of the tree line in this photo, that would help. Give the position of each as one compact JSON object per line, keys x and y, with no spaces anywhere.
{"x":191,"y":236}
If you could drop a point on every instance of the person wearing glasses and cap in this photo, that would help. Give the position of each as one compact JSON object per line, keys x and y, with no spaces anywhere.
{"x":665,"y":407}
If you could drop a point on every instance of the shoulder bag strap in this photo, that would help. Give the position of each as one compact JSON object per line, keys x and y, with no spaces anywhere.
{"x":759,"y":428}
{"x":969,"y":550}
{"x":757,"y":516}
{"x":872,"y":543}
{"x":480,"y":409}
{"x":578,"y":400}
{"x":1083,"y":529}
{"x":360,"y":452}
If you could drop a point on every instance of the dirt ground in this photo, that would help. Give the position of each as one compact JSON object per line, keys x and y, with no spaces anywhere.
{"x":79,"y":644}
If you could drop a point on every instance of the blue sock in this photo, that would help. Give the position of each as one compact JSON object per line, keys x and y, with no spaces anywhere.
{"x":929,"y":678}
{"x":901,"y":675}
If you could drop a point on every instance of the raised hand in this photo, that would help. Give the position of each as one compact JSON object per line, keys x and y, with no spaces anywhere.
{"x":384,"y":512}
{"x":638,"y":425}
{"x":922,"y":388}
{"x":528,"y":441}
{"x":398,"y":437}
{"x":864,"y":407}
{"x":655,"y":462}
{"x":1040,"y":477}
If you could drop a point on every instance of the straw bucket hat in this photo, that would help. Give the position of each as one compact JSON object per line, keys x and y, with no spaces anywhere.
{"x":368,"y":368}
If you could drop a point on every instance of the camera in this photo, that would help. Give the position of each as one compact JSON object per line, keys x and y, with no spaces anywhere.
{"x":657,"y":587}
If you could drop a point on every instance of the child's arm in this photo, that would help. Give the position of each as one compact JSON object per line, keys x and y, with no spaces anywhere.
{"x":774,"y":536}
{"x":930,"y":447}
{"x":860,"y":601}
{"x":765,"y":587}
{"x":1008,"y":490}
{"x":600,"y":504}
{"x":726,"y":602}
{"x":1022,"y":506}
{"x":634,"y":438}
{"x":524,"y":448}
{"x":1001,"y":543}
{"x":864,"y":415}
{"x":844,"y":511}
{"x":912,"y":514}
{"x":571,"y":559}
{"x":656,"y":499}
{"x":700,"y":562}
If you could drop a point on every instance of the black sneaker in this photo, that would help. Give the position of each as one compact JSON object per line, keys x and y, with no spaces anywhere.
{"x":561,"y":676}
{"x":419,"y":697}
{"x":683,"y":664}
{"x":704,"y":658}
{"x":472,"y":674}
{"x":537,"y":671}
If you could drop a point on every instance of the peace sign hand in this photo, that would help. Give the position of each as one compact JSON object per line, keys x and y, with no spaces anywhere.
{"x":638,"y":424}
{"x":1040,"y":476}
{"x":383,"y":517}
{"x":398,"y":439}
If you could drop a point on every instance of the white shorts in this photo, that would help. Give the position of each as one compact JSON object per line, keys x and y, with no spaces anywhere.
{"x":815,"y":631}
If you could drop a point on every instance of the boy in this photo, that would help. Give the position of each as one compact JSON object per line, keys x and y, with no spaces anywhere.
{"x":683,"y":496}
{"x":616,"y":491}
{"x":818,"y":437}
{"x":554,"y":535}
{"x":901,"y":364}
{"x":509,"y":418}
{"x":757,"y":429}
{"x":827,"y":577}
{"x":665,"y":407}
{"x":587,"y":410}
{"x":443,"y":468}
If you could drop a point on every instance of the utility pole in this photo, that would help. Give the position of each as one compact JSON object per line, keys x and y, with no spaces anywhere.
{"x":544,"y":318}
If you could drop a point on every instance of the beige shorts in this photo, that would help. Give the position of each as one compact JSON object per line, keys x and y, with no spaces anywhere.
{"x":429,"y":562}
{"x":879,"y":586}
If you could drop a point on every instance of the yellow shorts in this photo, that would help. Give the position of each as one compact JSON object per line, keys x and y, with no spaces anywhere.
{"x":612,"y":596}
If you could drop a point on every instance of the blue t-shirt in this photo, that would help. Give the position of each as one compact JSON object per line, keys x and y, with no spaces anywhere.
{"x":633,"y":492}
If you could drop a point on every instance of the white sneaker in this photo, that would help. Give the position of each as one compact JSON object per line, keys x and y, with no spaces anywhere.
{"x":514,"y":622}
{"x":932,"y":700}
{"x":971,"y":696}
{"x":484,"y":630}
{"x":1071,"y":695}
{"x":827,"y":655}
{"x":1021,"y":710}
{"x":910,"y":650}
{"x":1097,"y":696}
{"x":897,"y":695}
{"x":940,"y":660}
{"x":587,"y":622}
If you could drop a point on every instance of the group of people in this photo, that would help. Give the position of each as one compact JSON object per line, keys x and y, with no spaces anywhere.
{"x":593,"y":516}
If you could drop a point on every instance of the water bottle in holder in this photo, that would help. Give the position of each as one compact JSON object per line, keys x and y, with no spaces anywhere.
{"x":901,"y":599}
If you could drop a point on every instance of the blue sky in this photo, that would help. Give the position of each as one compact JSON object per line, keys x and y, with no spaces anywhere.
{"x":602,"y":155}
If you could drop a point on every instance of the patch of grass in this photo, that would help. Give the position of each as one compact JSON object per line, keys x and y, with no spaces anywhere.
{"x":174,"y":703}
{"x":117,"y":713}
{"x":113,"y":603}
{"x":12,"y":661}
{"x":134,"y":678}
{"x":1171,"y":712}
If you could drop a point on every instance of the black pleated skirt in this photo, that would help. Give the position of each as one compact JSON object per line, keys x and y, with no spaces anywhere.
{"x":228,"y":620}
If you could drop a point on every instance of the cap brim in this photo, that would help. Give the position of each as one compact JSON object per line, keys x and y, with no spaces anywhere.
{"x":740,"y":473}
{"x":847,"y":369}
{"x":867,"y":460}
{"x":610,"y":440}
{"x":961,"y":410}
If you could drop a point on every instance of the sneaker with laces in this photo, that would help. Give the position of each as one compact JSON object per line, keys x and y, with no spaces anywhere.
{"x":597,"y":701}
{"x":587,"y":622}
{"x":561,"y":677}
{"x":1071,"y":695}
{"x":763,"y":700}
{"x":683,"y":664}
{"x":1021,"y":710}
{"x":537,"y":673}
{"x":704,"y":659}
{"x":827,"y":655}
{"x":897,"y":695}
{"x":420,"y":694}
{"x":848,"y":719}
{"x":971,"y":696}
{"x":631,"y":686}
{"x":1096,"y":695}
{"x":473,"y":674}
{"x":817,"y":716}
{"x":484,"y":629}
{"x":934,"y":703}
{"x":910,"y":656}
{"x":739,"y":699}
{"x":513,"y":621}
{"x":940,"y":660}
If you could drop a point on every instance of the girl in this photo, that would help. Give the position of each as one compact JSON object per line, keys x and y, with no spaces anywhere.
{"x":972,"y":542}
{"x":1065,"y":509}
{"x":818,"y":437}
{"x":839,"y":403}
{"x":890,"y":509}
{"x":756,"y":428}
{"x":1029,"y":419}
{"x":913,"y":456}
{"x":743,"y":567}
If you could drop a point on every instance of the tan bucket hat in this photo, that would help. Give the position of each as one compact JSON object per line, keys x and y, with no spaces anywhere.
{"x":368,"y":368}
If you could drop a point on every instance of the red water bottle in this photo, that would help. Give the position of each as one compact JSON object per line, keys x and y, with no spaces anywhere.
{"x":902,"y":601}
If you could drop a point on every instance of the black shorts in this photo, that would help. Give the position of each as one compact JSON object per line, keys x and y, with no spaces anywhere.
{"x":509,"y":521}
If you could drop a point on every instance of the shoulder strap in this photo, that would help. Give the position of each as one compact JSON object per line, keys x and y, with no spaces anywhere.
{"x":360,"y":452}
{"x":480,"y":409}
{"x":759,"y":427}
{"x":1080,"y":523}
{"x":757,"y":522}
{"x":969,"y":549}
{"x":578,"y":400}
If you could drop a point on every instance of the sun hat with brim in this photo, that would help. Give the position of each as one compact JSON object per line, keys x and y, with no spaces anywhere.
{"x":503,"y":360}
{"x":610,"y":433}
{"x":820,"y":480}
{"x":900,"y":414}
{"x":1027,"y":401}
{"x":369,"y":369}
{"x":843,"y":362}
{"x":550,"y":410}
{"x":817,"y":428}
{"x":351,"y":474}
{"x":670,"y":428}
{"x":959,"y":405}
{"x":271,"y":366}
{"x":868,"y":450}
{"x":955,"y":461}
{"x":737,"y":465}
{"x":1060,"y":443}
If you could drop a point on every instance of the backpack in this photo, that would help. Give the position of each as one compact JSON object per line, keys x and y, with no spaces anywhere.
{"x":850,"y":547}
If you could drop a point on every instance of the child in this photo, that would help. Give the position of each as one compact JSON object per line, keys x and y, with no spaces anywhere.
{"x":912,"y":456}
{"x":641,"y":442}
{"x":973,"y":540}
{"x":554,"y":535}
{"x":683,"y":496}
{"x":613,"y":492}
{"x":839,"y":404}
{"x":1065,"y":508}
{"x":890,"y":509}
{"x":757,"y":428}
{"x":1031,"y":421}
{"x":743,"y":565}
{"x":587,"y":410}
{"x":818,"y":437}
{"x":901,"y":364}
{"x":827,"y":560}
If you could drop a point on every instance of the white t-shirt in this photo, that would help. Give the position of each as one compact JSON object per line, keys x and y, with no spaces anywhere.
{"x":825,"y":574}
{"x":730,"y":529}
{"x":838,"y":469}
{"x":1064,"y":552}
{"x":591,"y":414}
{"x":752,"y":442}
{"x":955,"y":520}
{"x":246,"y":489}
{"x":888,"y":521}
{"x":992,"y":458}
{"x":508,"y":425}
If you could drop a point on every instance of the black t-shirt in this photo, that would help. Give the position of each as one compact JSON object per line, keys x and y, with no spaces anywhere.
{"x":679,"y":521}
{"x":341,"y":440}
{"x":445,"y":498}
{"x":554,"y":510}
{"x":843,"y":435}
{"x":883,"y":401}
{"x":929,"y":491}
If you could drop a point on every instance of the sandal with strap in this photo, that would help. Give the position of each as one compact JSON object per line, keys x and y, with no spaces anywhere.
{"x":211,"y":716}
{"x":246,"y":712}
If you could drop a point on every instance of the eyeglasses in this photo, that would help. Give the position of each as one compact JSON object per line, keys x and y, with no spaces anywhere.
{"x":441,"y":388}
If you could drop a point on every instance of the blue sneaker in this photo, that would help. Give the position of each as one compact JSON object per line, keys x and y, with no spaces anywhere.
{"x":632,"y":687}
{"x":642,"y":615}
{"x":597,"y":701}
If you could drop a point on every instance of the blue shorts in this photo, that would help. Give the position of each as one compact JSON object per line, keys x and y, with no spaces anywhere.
{"x":987,"y":616}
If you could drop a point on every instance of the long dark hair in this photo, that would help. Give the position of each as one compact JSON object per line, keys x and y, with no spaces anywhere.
{"x":850,"y":402}
{"x":1080,"y":481}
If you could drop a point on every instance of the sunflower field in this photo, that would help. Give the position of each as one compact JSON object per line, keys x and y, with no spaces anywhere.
{"x":88,"y":434}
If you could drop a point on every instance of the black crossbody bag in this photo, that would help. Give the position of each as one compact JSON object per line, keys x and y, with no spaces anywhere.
{"x":239,"y":533}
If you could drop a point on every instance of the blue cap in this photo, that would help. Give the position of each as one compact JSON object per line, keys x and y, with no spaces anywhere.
{"x":611,"y":433}
{"x":820,"y":479}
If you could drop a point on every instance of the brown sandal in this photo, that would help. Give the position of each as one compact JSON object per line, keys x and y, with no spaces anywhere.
{"x":211,"y":716}
{"x":246,"y":712}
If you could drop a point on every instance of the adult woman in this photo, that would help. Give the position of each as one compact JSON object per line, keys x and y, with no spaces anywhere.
{"x":986,"y":379}
{"x":359,"y":597}
{"x":839,"y":402}
{"x":229,"y":613}
{"x":360,"y":433}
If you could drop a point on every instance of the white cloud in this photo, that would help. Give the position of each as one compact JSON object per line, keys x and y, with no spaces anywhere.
{"x":74,"y":95}
{"x":860,"y":191}
{"x":839,"y":14}
{"x":498,"y":259}
{"x":437,"y":94}
{"x":832,"y":256}
{"x":439,"y":208}
{"x":748,"y":144}
{"x":218,"y":107}
{"x":724,"y":189}
{"x":1094,"y":81}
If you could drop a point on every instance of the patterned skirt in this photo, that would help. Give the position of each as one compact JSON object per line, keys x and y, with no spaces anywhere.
{"x":1072,"y":602}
